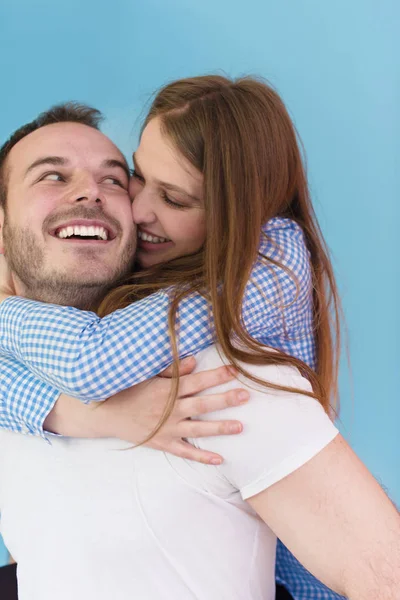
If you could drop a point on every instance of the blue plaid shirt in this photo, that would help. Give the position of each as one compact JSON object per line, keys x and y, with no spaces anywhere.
{"x":92,"y":358}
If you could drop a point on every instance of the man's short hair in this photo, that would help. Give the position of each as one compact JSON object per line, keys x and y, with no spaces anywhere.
{"x":69,"y":112}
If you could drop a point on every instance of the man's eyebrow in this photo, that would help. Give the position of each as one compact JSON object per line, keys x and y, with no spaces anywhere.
{"x":168,"y":186}
{"x":113,"y":163}
{"x":109,"y":163}
{"x":46,"y":160}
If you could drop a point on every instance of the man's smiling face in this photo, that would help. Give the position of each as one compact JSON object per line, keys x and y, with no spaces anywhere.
{"x":67,"y":224}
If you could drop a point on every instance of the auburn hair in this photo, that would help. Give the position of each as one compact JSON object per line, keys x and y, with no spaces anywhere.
{"x":239,"y":135}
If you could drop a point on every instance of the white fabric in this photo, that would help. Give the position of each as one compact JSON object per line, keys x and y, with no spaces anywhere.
{"x":95,"y":520}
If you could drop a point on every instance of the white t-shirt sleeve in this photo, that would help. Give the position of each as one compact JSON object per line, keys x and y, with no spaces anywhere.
{"x":282,"y":431}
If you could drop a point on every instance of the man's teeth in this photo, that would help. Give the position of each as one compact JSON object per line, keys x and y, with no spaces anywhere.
{"x":153,"y":239}
{"x":83,"y":231}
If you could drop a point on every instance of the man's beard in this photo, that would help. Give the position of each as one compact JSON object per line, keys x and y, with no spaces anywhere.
{"x":26,"y":259}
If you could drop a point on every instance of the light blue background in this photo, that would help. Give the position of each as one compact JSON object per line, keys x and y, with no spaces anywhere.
{"x":336,"y":64}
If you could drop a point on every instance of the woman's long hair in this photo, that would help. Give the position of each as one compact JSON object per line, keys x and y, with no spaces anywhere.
{"x":239,"y":135}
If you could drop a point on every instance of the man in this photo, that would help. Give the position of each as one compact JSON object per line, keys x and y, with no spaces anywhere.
{"x":87,"y":271}
{"x":34,"y":203}
{"x":89,"y":196}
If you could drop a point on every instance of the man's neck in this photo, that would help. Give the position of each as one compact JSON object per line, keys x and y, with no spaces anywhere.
{"x":82,"y":297}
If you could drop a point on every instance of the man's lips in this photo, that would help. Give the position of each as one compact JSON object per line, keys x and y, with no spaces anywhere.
{"x":90,"y":230}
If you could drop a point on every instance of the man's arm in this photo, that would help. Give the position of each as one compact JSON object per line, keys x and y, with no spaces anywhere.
{"x":336,"y":519}
{"x":293,"y":467}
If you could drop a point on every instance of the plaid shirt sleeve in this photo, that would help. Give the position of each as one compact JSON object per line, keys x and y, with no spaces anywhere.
{"x":92,"y":358}
{"x":25,"y":400}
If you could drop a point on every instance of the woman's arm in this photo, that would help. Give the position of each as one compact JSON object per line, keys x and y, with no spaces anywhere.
{"x":335,"y":518}
{"x":25,"y":400}
{"x":35,"y":408}
{"x":133,"y":414}
{"x":93,"y":358}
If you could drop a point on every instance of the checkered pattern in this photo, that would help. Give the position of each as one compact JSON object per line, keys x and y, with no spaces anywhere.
{"x":25,"y":400}
{"x":92,"y":358}
{"x":301,"y":584}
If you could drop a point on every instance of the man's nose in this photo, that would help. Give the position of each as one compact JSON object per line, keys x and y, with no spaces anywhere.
{"x":87,"y":191}
{"x":89,"y":199}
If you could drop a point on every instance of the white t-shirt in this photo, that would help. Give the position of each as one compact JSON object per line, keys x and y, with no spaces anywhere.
{"x":94,"y":519}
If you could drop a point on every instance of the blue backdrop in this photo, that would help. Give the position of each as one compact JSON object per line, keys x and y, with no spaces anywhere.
{"x":336,"y":66}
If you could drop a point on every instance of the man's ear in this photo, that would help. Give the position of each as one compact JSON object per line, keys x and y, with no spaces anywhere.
{"x":1,"y":229}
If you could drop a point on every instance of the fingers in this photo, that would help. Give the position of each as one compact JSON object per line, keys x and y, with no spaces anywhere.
{"x":198,"y":382}
{"x":185,"y":450}
{"x":200,"y":405}
{"x":199,"y":429}
{"x":186,"y":366}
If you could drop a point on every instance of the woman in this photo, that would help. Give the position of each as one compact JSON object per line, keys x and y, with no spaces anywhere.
{"x":253,"y":179}
{"x":246,"y":149}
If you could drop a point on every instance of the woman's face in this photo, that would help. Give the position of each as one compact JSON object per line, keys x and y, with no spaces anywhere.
{"x":167,"y":193}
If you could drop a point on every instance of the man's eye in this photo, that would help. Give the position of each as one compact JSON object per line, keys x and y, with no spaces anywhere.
{"x":54,"y":176}
{"x":114,"y":181}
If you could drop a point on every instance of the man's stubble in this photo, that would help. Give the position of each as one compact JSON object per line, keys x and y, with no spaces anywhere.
{"x":26,"y":259}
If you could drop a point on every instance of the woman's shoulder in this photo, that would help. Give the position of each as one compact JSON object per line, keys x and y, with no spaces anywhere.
{"x":285,"y":237}
{"x":282,"y":274}
{"x":283,"y":224}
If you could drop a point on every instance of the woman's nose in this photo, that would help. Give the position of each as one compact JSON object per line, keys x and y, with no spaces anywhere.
{"x":143,"y":208}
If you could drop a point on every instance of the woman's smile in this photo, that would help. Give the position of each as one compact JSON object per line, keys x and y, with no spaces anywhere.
{"x":149,"y":242}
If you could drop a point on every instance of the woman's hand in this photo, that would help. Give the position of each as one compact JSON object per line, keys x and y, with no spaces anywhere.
{"x":133,"y":414}
{"x":6,"y":282}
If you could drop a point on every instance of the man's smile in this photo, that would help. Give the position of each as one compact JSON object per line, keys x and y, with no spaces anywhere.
{"x":84,"y":231}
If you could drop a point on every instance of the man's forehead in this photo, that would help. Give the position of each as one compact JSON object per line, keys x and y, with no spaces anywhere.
{"x":74,"y":141}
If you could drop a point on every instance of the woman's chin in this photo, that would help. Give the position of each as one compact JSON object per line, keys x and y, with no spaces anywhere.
{"x":145,"y":260}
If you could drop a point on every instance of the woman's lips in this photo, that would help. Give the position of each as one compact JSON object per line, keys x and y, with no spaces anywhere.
{"x":151,"y":247}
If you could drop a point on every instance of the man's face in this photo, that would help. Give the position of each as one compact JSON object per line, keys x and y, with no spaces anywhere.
{"x":67,"y":230}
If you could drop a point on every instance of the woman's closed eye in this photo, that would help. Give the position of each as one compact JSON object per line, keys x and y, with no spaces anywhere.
{"x":171,"y":202}
{"x":167,"y":199}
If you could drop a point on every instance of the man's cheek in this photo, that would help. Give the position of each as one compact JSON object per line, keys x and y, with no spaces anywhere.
{"x":1,"y":230}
